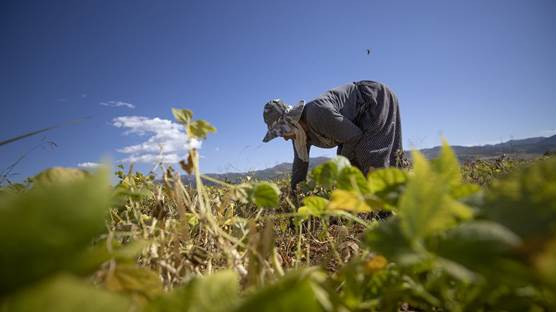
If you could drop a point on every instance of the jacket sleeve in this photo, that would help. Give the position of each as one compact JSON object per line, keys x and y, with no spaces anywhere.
{"x":331,"y":124}
{"x":299,"y":168}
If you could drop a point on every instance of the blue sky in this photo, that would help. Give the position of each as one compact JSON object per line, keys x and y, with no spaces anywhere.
{"x":475,"y":72}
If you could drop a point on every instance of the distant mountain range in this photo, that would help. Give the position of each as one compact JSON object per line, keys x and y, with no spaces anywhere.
{"x":525,"y":148}
{"x":530,"y":147}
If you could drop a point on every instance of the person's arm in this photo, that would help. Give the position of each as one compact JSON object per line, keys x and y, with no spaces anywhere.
{"x":299,"y":168}
{"x":331,"y":124}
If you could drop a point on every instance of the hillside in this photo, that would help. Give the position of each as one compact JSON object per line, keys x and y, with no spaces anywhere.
{"x":529,"y":147}
{"x":524,"y":148}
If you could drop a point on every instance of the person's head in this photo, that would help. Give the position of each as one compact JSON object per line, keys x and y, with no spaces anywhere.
{"x":281,"y":119}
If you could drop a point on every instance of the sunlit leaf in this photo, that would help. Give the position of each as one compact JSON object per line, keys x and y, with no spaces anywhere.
{"x":133,"y":279}
{"x":348,"y":200}
{"x":46,"y":228}
{"x":200,"y":129}
{"x":422,"y":206}
{"x":388,"y":184}
{"x":218,"y":292}
{"x":385,"y":178}
{"x":90,"y":260}
{"x":65,"y":293}
{"x":327,"y":173}
{"x":265,"y":194}
{"x":313,"y":206}
{"x":447,"y":167}
{"x":464,"y":190}
{"x":350,"y":178}
{"x":298,"y":291}
{"x":182,"y":116}
{"x":58,"y":175}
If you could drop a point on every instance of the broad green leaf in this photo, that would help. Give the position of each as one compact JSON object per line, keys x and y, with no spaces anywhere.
{"x":46,"y":228}
{"x":478,"y":246}
{"x":545,"y":263}
{"x":348,"y":200}
{"x":423,"y":209}
{"x":90,"y":260}
{"x":447,"y":167}
{"x":351,"y":179}
{"x":456,"y":270}
{"x":341,"y":162}
{"x":218,"y":292}
{"x":326,"y":173}
{"x":65,"y":293}
{"x":133,"y":279}
{"x":387,"y":239}
{"x":200,"y":129}
{"x":265,"y":194}
{"x":297,"y":291}
{"x":381,"y":180}
{"x":388,"y":184}
{"x":525,"y":201}
{"x":58,"y":175}
{"x":313,"y":206}
{"x":464,"y":190}
{"x":182,"y":116}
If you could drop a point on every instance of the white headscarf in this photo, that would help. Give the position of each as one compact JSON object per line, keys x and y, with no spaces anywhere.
{"x":300,"y":142}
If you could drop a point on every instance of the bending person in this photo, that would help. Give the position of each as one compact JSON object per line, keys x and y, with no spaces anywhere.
{"x":362,"y":119}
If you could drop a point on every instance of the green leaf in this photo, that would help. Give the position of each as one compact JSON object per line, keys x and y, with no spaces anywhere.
{"x":349,"y":201}
{"x":387,"y":239}
{"x":65,"y":293}
{"x":133,"y":279}
{"x":91,"y":259}
{"x":545,"y":263}
{"x":478,"y":246}
{"x":182,"y":116}
{"x":447,"y":167}
{"x":456,"y":270}
{"x":525,"y":201}
{"x":58,"y":175}
{"x":464,"y":190}
{"x":200,"y":129}
{"x":351,"y":179}
{"x":265,"y":194}
{"x":218,"y":292}
{"x":426,"y":207}
{"x":46,"y":229}
{"x":385,"y":179}
{"x":388,"y":184}
{"x":313,"y":206}
{"x":297,"y":291}
{"x":326,"y":173}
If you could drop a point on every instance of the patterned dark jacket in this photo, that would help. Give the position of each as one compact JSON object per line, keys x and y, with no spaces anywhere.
{"x":362,"y":119}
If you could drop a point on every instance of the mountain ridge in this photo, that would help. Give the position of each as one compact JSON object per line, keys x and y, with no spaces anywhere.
{"x":525,"y":148}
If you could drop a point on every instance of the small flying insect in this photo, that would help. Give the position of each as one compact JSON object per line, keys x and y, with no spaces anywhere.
{"x":368,"y":51}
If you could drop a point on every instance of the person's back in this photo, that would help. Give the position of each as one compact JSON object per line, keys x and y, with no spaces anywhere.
{"x":362,"y":119}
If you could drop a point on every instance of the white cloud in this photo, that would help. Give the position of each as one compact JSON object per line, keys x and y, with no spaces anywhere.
{"x":165,"y":142}
{"x":88,"y":165}
{"x":117,"y":104}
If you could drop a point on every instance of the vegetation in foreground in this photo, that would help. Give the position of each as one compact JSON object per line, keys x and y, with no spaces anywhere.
{"x":478,"y":239}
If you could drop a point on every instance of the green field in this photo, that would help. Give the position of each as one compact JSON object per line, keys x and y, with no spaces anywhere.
{"x":434,"y":236}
